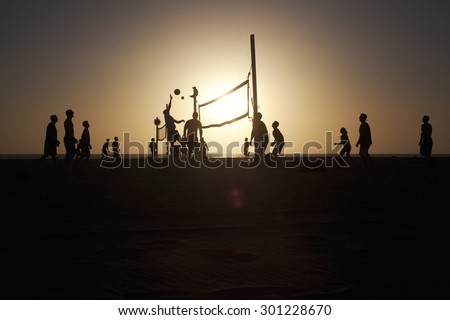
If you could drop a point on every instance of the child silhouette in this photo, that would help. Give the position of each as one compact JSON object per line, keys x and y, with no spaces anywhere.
{"x":345,"y":141}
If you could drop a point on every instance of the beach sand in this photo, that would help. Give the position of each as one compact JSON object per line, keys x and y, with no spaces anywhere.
{"x":366,"y":232}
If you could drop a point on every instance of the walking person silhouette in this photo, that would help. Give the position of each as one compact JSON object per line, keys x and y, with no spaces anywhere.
{"x":365,"y":139}
{"x":105,"y":149}
{"x":345,"y":142}
{"x":69,"y":138}
{"x":116,"y":149}
{"x":51,"y":140}
{"x":426,"y":142}
{"x":278,"y":142}
{"x":85,"y":143}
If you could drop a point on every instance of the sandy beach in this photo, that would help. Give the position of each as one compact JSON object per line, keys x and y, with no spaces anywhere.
{"x":366,"y":232}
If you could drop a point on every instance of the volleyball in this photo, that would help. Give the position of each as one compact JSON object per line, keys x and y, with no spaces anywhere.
{"x":176,"y":91}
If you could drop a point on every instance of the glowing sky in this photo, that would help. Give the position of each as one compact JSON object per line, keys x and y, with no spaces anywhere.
{"x":319,"y":65}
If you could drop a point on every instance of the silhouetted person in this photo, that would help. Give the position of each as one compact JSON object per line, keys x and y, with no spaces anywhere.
{"x":246,"y":147}
{"x":170,"y":124}
{"x":426,"y":142}
{"x":345,"y":142}
{"x":259,"y":135}
{"x":193,"y":130}
{"x":365,"y":138}
{"x":278,"y":142}
{"x":115,"y":148}
{"x":85,"y":142}
{"x":51,"y":140}
{"x":69,"y":138}
{"x":152,"y":146}
{"x":105,"y":149}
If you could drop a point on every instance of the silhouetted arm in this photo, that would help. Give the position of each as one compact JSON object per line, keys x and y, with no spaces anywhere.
{"x":421,"y":139}
{"x":421,"y":135}
{"x":170,"y":104}
{"x":359,"y":138}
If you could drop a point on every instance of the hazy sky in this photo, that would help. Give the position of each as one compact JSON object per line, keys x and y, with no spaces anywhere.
{"x":319,"y":65}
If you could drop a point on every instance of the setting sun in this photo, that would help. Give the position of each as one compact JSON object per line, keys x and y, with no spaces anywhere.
{"x":226,"y":108}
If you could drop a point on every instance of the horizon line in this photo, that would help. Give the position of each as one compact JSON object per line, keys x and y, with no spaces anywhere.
{"x":31,"y":156}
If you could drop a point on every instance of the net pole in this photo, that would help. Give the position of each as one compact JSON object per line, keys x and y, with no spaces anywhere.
{"x":194,"y":95}
{"x":157,"y":141}
{"x":253,"y":55}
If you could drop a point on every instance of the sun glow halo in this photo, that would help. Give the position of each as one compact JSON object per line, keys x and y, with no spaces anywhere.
{"x":225,"y":109}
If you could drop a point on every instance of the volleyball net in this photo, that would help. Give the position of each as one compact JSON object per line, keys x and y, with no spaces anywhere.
{"x":216,"y":103}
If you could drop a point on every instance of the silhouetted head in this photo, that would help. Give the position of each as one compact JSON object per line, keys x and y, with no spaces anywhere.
{"x":107,"y":139}
{"x":85,"y":124}
{"x":362,"y":117}
{"x":153,"y":139}
{"x":343,"y":130}
{"x":425,"y":119}
{"x":246,"y":139}
{"x":69,"y":113}
{"x":275,"y":124}
{"x":53,"y":118}
{"x":195,"y":115}
{"x":116,"y":139}
{"x":258,"y":116}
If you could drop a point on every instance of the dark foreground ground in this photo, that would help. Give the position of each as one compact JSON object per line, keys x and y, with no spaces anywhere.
{"x":364,"y":232}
